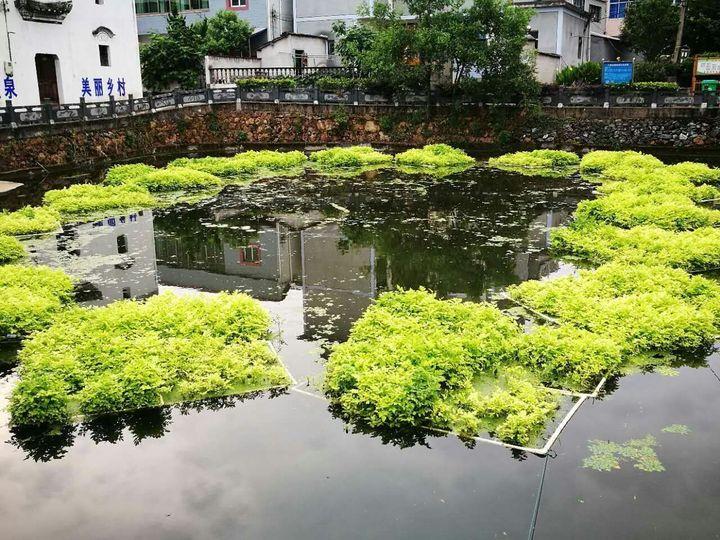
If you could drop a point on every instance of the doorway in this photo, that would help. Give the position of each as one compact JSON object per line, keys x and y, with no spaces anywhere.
{"x":47,"y":77}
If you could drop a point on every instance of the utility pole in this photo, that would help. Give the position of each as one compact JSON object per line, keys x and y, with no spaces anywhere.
{"x":681,"y":29}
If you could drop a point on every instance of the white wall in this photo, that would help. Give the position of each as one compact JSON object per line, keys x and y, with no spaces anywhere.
{"x":76,"y":49}
{"x":282,"y":52}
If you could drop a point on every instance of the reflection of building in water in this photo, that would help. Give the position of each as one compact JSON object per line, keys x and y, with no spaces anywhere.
{"x":338,"y":284}
{"x":534,"y":262}
{"x":261,"y":261}
{"x":113,"y":258}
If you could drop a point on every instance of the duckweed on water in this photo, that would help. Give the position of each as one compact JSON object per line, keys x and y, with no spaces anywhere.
{"x":678,"y":429}
{"x":29,"y":220}
{"x":606,"y":455}
{"x":11,"y":249}
{"x":352,"y":156}
{"x":434,"y":156}
{"x":30,"y":296}
{"x":132,"y":355}
{"x":83,"y":199}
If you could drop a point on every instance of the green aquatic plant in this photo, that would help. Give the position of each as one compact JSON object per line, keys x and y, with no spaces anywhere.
{"x":598,"y":161}
{"x":176,"y":179}
{"x":642,"y":308}
{"x":698,"y":173}
{"x":665,"y":210}
{"x":132,"y":355}
{"x":434,"y":156}
{"x":666,"y":371}
{"x":536,"y":159}
{"x":244,"y":163}
{"x":678,"y":429}
{"x":217,"y":166}
{"x":30,"y":296}
{"x":650,"y":181}
{"x":411,"y":360}
{"x":125,"y":174}
{"x":436,"y":172}
{"x":697,"y":250}
{"x":606,"y":455}
{"x":351,"y":156}
{"x":29,"y":220}
{"x":11,"y":249}
{"x":84,"y":199}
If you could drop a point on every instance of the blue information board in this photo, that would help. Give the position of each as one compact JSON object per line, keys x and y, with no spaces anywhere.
{"x":617,"y":72}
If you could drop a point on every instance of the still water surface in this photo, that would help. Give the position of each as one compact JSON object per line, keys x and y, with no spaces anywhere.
{"x":316,"y":251}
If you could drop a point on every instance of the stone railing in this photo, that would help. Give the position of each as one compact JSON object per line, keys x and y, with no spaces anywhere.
{"x":13,"y":116}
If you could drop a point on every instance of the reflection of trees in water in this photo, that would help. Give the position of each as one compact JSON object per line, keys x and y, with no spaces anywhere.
{"x":48,"y":444}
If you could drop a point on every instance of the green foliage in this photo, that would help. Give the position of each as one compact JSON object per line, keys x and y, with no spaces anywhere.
{"x":586,"y":73}
{"x":642,"y":308}
{"x":434,"y":156}
{"x":225,"y":34}
{"x":30,"y":297}
{"x":606,"y":455}
{"x":124,"y":174}
{"x":254,"y":83}
{"x":11,"y":249}
{"x":598,"y":161}
{"x":132,"y":355}
{"x":336,"y":84}
{"x":88,"y":198}
{"x":650,"y":27}
{"x":697,"y":250}
{"x":175,"y":179}
{"x":29,"y":220}
{"x":678,"y":429}
{"x":351,"y":156}
{"x":702,"y":26}
{"x":243,"y":163}
{"x":536,"y":159}
{"x":698,"y":173}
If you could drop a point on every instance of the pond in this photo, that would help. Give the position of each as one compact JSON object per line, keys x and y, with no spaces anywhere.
{"x":316,"y":250}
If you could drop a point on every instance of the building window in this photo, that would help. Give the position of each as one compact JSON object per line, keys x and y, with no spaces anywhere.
{"x":595,"y":13}
{"x":163,"y":6}
{"x":104,"y":55}
{"x":237,"y":4}
{"x":580,"y":4}
{"x":250,"y":255}
{"x":618,"y":8}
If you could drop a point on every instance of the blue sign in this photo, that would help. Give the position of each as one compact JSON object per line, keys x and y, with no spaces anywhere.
{"x":617,"y":72}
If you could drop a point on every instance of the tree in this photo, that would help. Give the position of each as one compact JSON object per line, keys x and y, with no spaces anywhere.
{"x":702,"y":26}
{"x":650,"y":27}
{"x":225,"y":34}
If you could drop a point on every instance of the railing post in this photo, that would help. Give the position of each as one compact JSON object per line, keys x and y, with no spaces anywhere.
{"x":113,"y":112}
{"x":276,"y":94}
{"x":177,"y":99}
{"x":131,"y":104}
{"x":83,"y":109}
{"x":47,"y":113}
{"x":12,"y":120}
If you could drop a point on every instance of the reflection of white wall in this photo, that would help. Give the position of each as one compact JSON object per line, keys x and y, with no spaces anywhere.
{"x":89,"y":253}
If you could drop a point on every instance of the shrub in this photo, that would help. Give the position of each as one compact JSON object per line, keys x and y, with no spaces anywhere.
{"x":88,"y":198}
{"x":697,"y":250}
{"x":30,"y":297}
{"x":176,"y":179}
{"x":131,"y":355}
{"x":124,"y":174}
{"x":256,"y":83}
{"x":583,"y":74}
{"x":642,"y":308}
{"x":336,"y":84}
{"x":29,"y":220}
{"x":540,"y":159}
{"x":352,"y":156}
{"x":11,"y":249}
{"x":434,"y":156}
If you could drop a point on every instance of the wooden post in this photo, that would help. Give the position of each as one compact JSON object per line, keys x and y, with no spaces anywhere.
{"x":694,"y":76}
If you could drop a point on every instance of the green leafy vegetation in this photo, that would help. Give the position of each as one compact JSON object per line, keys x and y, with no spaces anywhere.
{"x":244,"y":163}
{"x":596,"y":162}
{"x":83,"y":199}
{"x":606,"y":455}
{"x":131,"y":355}
{"x":696,"y":250}
{"x":536,"y":159}
{"x":587,"y":73}
{"x":414,"y":360}
{"x":642,"y":308}
{"x":434,"y":156}
{"x":29,"y":220}
{"x":351,"y":156}
{"x":11,"y":249}
{"x":257,"y":83}
{"x":125,"y":174}
{"x":698,"y":173}
{"x":176,"y":179}
{"x":678,"y":429}
{"x":30,"y":296}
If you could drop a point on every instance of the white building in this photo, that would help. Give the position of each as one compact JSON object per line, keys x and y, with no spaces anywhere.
{"x":60,"y":51}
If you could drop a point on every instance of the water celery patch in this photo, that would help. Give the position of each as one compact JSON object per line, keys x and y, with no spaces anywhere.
{"x":536,"y":159}
{"x":244,"y":163}
{"x":598,"y":161}
{"x":434,"y":156}
{"x":607,"y":455}
{"x":642,"y":308}
{"x":29,"y":220}
{"x":30,"y":296}
{"x":131,"y":355}
{"x":697,"y":250}
{"x":11,"y":249}
{"x":176,"y":179}
{"x":698,"y":173}
{"x":678,"y":429}
{"x":413,"y":360}
{"x":125,"y":174}
{"x":84,"y":199}
{"x":352,"y":156}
